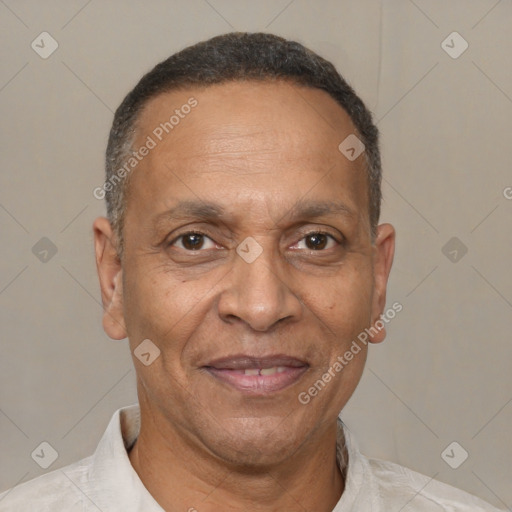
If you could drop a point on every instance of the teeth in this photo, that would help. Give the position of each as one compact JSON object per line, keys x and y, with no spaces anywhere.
{"x":265,"y":371}
{"x":268,"y":371}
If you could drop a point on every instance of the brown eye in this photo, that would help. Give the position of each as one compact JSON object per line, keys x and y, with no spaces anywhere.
{"x":193,"y":242}
{"x":316,"y":241}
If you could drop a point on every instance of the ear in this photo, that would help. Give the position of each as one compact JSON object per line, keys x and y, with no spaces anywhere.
{"x":384,"y":250}
{"x":110,"y":274}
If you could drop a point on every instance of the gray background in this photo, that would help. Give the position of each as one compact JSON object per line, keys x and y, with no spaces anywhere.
{"x":442,"y":375}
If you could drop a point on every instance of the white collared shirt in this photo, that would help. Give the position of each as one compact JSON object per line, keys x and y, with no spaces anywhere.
{"x":107,"y":482}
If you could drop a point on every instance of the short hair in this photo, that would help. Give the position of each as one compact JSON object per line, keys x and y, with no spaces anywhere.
{"x":236,"y":56}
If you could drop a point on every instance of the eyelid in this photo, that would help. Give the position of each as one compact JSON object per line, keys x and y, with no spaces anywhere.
{"x":322,"y":231}
{"x":207,"y":229}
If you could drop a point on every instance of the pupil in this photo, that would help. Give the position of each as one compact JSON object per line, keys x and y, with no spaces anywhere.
{"x":193,"y":241}
{"x":317,"y":241}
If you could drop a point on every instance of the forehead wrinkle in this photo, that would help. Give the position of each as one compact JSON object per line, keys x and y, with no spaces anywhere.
{"x":255,"y":154}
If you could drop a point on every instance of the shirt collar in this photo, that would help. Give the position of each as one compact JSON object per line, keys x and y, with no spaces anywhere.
{"x":361,"y":492}
{"x":112,"y":483}
{"x":115,"y":485}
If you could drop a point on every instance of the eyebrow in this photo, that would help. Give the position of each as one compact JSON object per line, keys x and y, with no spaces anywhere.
{"x":184,"y":210}
{"x":207,"y":211}
{"x":199,"y":209}
{"x":314,"y":209}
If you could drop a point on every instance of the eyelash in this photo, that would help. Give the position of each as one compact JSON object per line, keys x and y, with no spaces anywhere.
{"x":305,"y":235}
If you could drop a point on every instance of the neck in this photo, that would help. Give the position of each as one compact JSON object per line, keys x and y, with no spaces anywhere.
{"x":181,"y":476}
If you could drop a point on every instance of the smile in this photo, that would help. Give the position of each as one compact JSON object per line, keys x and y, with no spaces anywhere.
{"x":258,"y":376}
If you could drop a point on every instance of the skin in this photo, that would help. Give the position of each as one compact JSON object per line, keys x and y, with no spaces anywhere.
{"x":261,"y":151}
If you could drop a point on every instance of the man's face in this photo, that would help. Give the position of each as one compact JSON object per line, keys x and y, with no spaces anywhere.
{"x":256,"y":160}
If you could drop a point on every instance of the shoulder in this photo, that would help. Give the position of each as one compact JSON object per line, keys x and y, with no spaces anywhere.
{"x":52,"y":492}
{"x":401,"y":486}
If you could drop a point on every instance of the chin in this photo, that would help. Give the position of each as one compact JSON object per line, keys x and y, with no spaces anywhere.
{"x":253,"y":443}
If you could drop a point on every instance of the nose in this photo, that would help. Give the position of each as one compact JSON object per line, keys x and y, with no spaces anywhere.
{"x":259,"y":294}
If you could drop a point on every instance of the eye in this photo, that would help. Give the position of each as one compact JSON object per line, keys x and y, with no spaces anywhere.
{"x":316,"y":241}
{"x":193,"y":242}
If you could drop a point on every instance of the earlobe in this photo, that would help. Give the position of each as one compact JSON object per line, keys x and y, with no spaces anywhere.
{"x":383,"y":260}
{"x":110,"y":274}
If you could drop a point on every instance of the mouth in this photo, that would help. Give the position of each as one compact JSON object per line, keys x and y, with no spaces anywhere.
{"x":257,"y":375}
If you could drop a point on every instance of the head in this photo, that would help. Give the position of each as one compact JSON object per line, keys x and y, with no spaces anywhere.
{"x":243,"y":237}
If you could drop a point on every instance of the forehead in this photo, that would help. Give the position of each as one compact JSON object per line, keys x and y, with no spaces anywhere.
{"x":263,"y":135}
{"x":233,"y":109}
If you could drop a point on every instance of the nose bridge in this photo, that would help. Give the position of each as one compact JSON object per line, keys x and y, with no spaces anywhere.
{"x":259,"y":293}
{"x":260,"y":276}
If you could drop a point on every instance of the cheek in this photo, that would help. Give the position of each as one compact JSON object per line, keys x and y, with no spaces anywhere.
{"x":343,"y":302}
{"x":156,"y":303}
{"x":168,"y":313}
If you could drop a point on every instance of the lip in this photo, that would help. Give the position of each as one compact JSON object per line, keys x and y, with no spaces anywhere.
{"x":231,"y":371}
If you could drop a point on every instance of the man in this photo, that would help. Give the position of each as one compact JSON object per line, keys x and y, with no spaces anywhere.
{"x":243,"y":259}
